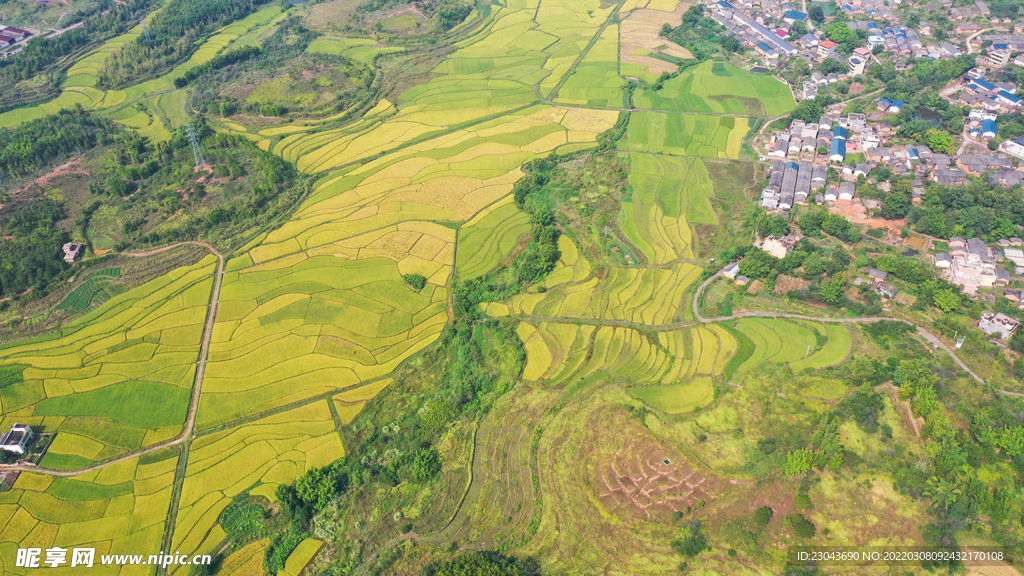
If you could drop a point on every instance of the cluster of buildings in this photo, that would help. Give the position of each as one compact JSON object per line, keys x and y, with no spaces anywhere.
{"x":874,"y":9}
{"x":791,"y":183}
{"x":1013,"y":42}
{"x":800,"y":137}
{"x":10,"y":35}
{"x":981,"y":124}
{"x":996,"y":97}
{"x":751,"y":32}
{"x":836,"y":137}
{"x":972,"y":264}
{"x":900,"y":40}
{"x":799,"y":173}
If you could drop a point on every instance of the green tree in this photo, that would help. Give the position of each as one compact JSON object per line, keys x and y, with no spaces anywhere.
{"x":947,"y":300}
{"x":763,"y":515}
{"x":801,"y":67}
{"x":896,"y":205}
{"x":816,"y":14}
{"x":831,"y":66}
{"x":484,"y":564}
{"x":808,"y":111}
{"x":938,"y":140}
{"x":832,"y":291}
{"x":426,"y":465}
{"x":318,"y":486}
{"x":417,"y":281}
{"x":797,"y":462}
{"x":925,"y":402}
{"x":802,"y":526}
{"x":694,"y":542}
{"x":1005,"y":228}
{"x":758,"y":264}
{"x":839,"y":32}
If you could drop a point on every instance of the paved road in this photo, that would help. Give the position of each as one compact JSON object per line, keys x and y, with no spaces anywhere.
{"x":204,"y":354}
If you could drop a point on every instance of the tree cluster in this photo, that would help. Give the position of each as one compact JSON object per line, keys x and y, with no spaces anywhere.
{"x":848,"y":39}
{"x":814,"y":222}
{"x":32,"y":256}
{"x":174,"y":32}
{"x":220,"y":61}
{"x":701,"y":35}
{"x":978,"y":209}
{"x":38,"y":143}
{"x":484,"y":564}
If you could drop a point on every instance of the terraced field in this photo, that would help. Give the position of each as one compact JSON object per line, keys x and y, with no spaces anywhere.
{"x":253,"y":458}
{"x":154,"y":107}
{"x":117,"y":510}
{"x":309,"y":321}
{"x":118,"y":378}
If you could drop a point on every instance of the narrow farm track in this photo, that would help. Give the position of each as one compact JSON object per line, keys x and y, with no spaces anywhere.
{"x":204,"y":353}
{"x":613,"y":15}
{"x":931,"y":338}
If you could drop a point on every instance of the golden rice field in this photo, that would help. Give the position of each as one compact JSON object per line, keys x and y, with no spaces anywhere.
{"x":559,"y":352}
{"x":117,"y":379}
{"x":313,"y":317}
{"x":596,"y":80}
{"x":644,"y":296}
{"x":253,"y":458}
{"x":490,"y":237}
{"x":120,"y":509}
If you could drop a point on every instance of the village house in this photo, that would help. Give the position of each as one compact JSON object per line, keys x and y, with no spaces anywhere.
{"x":72,"y":252}
{"x":973,"y":265}
{"x":998,"y":324}
{"x":17,"y":440}
{"x":886,"y":289}
{"x":877,"y":275}
{"x":778,"y":246}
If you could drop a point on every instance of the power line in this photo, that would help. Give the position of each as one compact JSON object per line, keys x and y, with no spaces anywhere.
{"x":196,"y":152}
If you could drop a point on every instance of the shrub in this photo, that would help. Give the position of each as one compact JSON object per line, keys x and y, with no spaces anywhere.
{"x":694,"y":542}
{"x":802,"y":501}
{"x":417,"y":281}
{"x":802,"y":526}
{"x":763,"y":515}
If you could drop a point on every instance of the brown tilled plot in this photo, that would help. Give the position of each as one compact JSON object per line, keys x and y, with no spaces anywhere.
{"x":638,"y":483}
{"x":640,"y":34}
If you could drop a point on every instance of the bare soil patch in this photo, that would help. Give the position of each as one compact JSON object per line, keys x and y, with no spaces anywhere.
{"x":637,"y":482}
{"x":330,"y":15}
{"x":857,"y":214}
{"x":784,"y":284}
{"x":69,"y":168}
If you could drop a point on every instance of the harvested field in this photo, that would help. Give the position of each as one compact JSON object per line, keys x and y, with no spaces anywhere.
{"x":640,"y":39}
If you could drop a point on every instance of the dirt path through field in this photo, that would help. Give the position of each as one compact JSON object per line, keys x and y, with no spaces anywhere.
{"x":193,"y":410}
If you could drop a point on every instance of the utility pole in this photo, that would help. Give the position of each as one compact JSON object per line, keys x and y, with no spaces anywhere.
{"x":806,"y":354}
{"x":196,"y":152}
